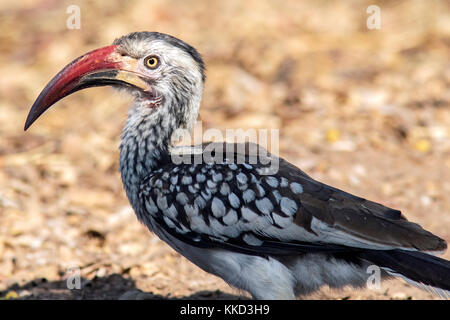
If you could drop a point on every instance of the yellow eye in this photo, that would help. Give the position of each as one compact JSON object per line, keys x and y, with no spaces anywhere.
{"x":151,"y":62}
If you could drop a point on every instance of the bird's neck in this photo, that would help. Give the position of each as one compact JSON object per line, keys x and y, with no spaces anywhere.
{"x":144,"y":147}
{"x":147,"y":138}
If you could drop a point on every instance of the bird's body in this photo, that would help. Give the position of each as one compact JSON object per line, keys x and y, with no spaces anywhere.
{"x":218,"y":216}
{"x":276,"y":234}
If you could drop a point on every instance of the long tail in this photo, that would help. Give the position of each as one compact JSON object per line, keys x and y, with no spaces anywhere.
{"x":420,"y":269}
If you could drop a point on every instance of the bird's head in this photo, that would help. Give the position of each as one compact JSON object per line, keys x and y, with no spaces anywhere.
{"x":158,"y":69}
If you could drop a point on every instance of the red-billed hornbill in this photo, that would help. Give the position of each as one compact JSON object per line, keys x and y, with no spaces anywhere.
{"x":274,"y":234}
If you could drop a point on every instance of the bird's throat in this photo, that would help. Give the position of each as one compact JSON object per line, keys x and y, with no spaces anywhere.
{"x":147,"y":136}
{"x":144,"y":147}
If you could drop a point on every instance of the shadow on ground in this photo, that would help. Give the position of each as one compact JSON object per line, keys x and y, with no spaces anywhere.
{"x":112,"y":287}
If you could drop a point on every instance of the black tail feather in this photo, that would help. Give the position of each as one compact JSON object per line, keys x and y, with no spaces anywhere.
{"x":417,"y":266}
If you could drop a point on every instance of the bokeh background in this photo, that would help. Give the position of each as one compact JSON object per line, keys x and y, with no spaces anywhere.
{"x":364,"y":110}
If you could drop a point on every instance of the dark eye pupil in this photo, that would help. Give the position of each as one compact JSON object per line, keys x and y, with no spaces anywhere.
{"x":151,"y":62}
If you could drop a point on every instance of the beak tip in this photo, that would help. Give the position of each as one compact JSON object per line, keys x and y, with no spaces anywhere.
{"x":28,"y":122}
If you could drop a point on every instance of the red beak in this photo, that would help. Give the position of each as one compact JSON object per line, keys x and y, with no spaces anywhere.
{"x":97,"y":68}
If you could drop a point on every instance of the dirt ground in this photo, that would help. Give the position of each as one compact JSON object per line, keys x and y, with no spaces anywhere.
{"x":367,"y":111}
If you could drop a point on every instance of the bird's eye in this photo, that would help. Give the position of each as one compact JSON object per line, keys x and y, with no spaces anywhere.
{"x":151,"y":62}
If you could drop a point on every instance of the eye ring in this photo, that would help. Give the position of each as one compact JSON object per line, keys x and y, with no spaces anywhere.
{"x":151,"y":62}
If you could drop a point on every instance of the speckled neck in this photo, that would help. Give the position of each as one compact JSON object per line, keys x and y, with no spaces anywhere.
{"x":144,"y":147}
{"x":147,"y":136}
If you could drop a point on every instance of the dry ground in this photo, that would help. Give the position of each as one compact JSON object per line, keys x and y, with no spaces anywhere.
{"x":364,"y":110}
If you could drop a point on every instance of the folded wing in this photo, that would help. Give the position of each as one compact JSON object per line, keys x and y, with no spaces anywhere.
{"x":234,"y":203}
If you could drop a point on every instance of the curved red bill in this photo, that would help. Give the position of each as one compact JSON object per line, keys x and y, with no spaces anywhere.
{"x":68,"y":81}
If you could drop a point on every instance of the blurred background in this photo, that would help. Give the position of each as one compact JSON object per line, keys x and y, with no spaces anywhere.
{"x":367,"y":111}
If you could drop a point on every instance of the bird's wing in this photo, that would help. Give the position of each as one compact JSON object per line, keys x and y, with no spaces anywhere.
{"x":239,"y":206}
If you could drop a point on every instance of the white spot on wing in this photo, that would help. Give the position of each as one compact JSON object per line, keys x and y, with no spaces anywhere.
{"x":211,"y":184}
{"x":151,"y":206}
{"x":158,"y":184}
{"x":218,"y":208}
{"x":198,"y":224}
{"x":230,"y":218}
{"x":217,"y":177}
{"x":200,"y":202}
{"x":172,"y":212}
{"x":191,"y":210}
{"x":248,"y":195}
{"x":264,"y":205}
{"x":174,"y":179}
{"x":200,"y":177}
{"x":186,"y":180}
{"x":272,"y":181}
{"x":288,"y":206}
{"x":248,"y":214}
{"x":296,"y":188}
{"x":162,"y":203}
{"x":182,"y":198}
{"x":225,"y":189}
{"x":234,"y":200}
{"x":241,"y":178}
{"x":282,"y":221}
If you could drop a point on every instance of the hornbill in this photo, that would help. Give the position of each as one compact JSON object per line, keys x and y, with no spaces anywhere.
{"x":278,"y":233}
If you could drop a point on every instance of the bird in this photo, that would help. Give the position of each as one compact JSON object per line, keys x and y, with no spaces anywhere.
{"x":271,"y":231}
